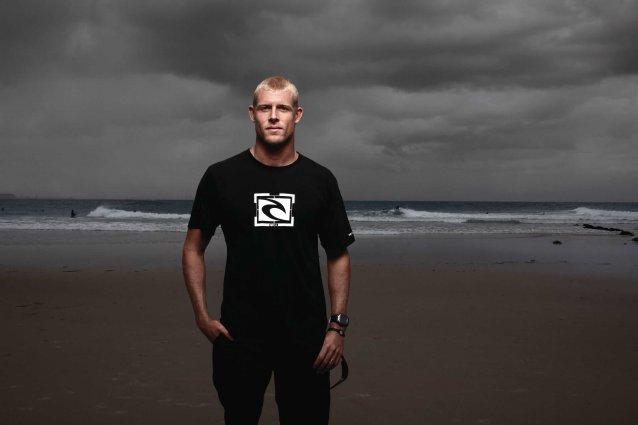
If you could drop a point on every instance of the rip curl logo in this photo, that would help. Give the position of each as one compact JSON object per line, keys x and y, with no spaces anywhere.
{"x":274,"y":210}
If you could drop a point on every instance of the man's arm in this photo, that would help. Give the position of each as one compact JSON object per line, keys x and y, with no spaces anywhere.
{"x":338,"y":288}
{"x":194,"y":269}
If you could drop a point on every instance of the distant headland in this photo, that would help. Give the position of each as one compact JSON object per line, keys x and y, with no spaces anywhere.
{"x":7,"y":196}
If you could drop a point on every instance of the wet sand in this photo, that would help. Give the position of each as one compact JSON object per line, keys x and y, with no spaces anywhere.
{"x":97,"y":329}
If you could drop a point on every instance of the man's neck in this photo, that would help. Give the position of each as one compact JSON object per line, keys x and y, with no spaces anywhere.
{"x":275,"y":158}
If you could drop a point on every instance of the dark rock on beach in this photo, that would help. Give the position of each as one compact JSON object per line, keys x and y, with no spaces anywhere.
{"x":557,"y":243}
{"x":608,"y":229}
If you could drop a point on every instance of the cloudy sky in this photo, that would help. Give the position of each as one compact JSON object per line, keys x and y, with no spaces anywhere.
{"x":404,"y":100}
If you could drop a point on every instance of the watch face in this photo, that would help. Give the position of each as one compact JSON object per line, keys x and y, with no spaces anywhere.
{"x":341,"y":319}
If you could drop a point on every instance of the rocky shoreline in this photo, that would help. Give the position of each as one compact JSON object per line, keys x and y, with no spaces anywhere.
{"x":621,"y":232}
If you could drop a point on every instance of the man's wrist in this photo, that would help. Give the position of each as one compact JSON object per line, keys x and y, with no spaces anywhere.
{"x":203,"y":320}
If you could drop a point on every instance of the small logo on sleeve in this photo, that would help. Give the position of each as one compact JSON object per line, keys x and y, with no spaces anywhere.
{"x":274,"y":210}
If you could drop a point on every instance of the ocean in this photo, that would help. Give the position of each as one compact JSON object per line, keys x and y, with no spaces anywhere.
{"x":375,"y":218}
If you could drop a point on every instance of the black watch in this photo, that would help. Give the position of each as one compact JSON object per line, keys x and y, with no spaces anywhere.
{"x":340,"y":319}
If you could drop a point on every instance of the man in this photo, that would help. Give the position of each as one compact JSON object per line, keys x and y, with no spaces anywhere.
{"x":273,"y":205}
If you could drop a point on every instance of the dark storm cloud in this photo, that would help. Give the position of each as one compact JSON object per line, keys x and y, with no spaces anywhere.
{"x":30,"y":33}
{"x":460,"y":124}
{"x":87,"y":107}
{"x":403,"y":99}
{"x":44,"y":39}
{"x":408,"y":45}
{"x":227,"y":42}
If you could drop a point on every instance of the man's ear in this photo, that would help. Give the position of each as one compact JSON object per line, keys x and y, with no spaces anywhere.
{"x":298,"y":115}
{"x":251,"y":113}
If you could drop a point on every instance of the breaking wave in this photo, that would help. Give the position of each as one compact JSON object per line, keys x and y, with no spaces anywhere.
{"x":105,"y":212}
{"x":568,"y":216}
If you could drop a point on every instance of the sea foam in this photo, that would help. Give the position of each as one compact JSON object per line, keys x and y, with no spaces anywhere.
{"x":105,"y":212}
{"x":595,"y":214}
{"x":575,"y":215}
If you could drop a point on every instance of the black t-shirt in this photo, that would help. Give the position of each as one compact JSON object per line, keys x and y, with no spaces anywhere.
{"x":271,"y":218}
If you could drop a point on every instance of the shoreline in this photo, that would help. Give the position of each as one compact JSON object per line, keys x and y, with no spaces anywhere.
{"x":577,"y":254}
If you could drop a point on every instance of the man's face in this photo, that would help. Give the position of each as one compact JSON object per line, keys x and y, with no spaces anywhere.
{"x":275,"y":117}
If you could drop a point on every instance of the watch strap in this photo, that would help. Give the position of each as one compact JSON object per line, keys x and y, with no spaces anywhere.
{"x":339,"y":331}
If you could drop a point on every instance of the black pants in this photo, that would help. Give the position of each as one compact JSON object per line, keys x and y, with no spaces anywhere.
{"x":242,"y":372}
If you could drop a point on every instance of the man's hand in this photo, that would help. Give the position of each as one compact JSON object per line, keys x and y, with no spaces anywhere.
{"x":330,"y":354}
{"x":212,"y":329}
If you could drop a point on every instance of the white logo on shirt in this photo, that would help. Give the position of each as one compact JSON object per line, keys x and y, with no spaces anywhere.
{"x":274,"y":210}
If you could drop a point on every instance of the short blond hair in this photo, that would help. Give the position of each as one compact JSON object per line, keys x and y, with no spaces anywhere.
{"x":277,"y":83}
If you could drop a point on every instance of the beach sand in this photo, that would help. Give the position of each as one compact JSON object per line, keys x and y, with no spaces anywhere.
{"x":97,"y":329}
